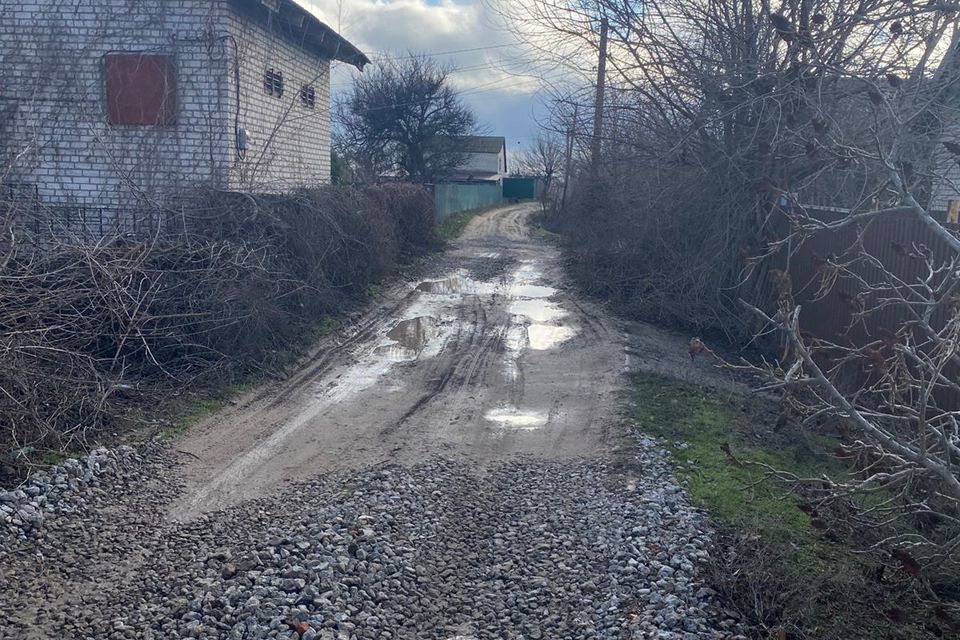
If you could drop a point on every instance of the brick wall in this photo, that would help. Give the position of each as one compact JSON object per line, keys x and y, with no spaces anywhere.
{"x":52,"y":100}
{"x":288,"y":142}
{"x":54,"y":131}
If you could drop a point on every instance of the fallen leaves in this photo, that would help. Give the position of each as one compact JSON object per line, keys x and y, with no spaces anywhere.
{"x":907,"y":562}
{"x":696,"y":347}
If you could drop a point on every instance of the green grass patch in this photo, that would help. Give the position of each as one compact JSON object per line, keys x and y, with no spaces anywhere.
{"x":453,"y":225}
{"x":540,"y":232}
{"x":193,"y":409}
{"x":779,"y":571}
{"x":327,"y":325}
{"x":706,"y":421}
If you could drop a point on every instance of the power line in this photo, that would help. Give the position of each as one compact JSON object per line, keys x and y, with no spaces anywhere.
{"x":428,"y":54}
{"x":500,"y":65}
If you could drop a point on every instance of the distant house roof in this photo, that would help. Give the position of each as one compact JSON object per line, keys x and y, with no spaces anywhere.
{"x":480,"y":144}
{"x":299,"y":23}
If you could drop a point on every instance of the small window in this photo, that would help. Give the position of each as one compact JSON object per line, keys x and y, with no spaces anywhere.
{"x":308,"y":96}
{"x":273,"y":82}
{"x":141,"y":89}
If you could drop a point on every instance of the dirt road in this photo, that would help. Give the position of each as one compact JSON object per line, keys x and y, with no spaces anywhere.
{"x":490,"y":358}
{"x":494,"y":388}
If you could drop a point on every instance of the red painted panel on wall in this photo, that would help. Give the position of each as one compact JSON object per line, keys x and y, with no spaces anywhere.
{"x":141,"y":89}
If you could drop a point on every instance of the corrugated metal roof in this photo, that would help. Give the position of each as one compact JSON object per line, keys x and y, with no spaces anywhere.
{"x":480,"y":144}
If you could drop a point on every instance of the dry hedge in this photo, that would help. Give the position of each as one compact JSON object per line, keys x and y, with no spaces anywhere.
{"x":659,"y":250}
{"x":92,"y":333}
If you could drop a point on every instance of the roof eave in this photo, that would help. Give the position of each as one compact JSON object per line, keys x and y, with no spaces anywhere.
{"x":310,"y":31}
{"x":328,"y":40}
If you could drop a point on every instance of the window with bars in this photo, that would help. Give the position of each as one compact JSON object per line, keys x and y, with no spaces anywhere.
{"x":308,"y":96}
{"x":273,"y":82}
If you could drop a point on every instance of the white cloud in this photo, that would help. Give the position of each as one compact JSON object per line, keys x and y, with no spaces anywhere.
{"x":497,"y":75}
{"x":495,"y":61}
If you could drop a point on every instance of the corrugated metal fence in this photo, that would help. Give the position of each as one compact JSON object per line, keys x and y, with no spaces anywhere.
{"x":890,"y":240}
{"x":520,"y":188}
{"x":454,"y":197}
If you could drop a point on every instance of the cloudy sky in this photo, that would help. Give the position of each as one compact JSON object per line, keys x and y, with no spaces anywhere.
{"x":495,"y":73}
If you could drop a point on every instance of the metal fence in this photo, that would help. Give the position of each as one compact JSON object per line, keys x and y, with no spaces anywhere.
{"x":889,"y":239}
{"x":454,"y":197}
{"x":45,"y":225}
{"x":521,"y":188}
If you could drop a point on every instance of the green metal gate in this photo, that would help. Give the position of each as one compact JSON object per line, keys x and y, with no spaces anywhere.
{"x":519,"y":188}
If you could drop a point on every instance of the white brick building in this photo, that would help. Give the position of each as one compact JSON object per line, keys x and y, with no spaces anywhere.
{"x":484,"y":158}
{"x":117,"y":103}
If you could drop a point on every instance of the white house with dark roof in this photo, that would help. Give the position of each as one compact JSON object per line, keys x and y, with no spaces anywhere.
{"x":122,"y":103}
{"x":484,"y":159}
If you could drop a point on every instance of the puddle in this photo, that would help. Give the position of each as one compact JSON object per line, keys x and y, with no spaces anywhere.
{"x":412,"y":339}
{"x":538,"y":318}
{"x":448,"y":285}
{"x":458,"y":282}
{"x":531,"y":291}
{"x":537,"y":310}
{"x":514,"y":418}
{"x":542,"y":328}
{"x":535,"y":324}
{"x":547,"y":336}
{"x":408,"y":337}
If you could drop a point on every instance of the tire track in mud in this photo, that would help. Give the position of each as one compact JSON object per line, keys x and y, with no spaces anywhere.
{"x":486,"y":379}
{"x":468,"y":365}
{"x":323,"y":357}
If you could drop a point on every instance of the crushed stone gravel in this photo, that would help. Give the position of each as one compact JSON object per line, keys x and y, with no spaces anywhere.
{"x":527,"y":548}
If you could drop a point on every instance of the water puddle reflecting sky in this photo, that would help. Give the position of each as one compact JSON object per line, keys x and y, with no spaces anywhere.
{"x":540,"y":319}
{"x":511,"y":417}
{"x":408,"y":338}
{"x":541,"y":337}
{"x":458,"y":283}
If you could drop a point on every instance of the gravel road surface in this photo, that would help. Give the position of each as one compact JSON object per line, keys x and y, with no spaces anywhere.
{"x":454,"y":464}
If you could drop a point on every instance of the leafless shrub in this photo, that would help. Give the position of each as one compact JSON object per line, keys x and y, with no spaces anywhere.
{"x":784,"y":593}
{"x":889,"y":395}
{"x":89,"y":333}
{"x":724,"y":116}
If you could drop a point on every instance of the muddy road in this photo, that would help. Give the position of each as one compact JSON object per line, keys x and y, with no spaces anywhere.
{"x":452,"y":467}
{"x":491,"y":357}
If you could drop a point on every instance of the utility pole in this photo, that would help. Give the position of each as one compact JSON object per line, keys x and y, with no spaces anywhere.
{"x":571,"y":132}
{"x":598,"y":102}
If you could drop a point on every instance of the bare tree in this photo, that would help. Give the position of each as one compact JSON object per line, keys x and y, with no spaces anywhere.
{"x":729,"y":116}
{"x":404,"y":116}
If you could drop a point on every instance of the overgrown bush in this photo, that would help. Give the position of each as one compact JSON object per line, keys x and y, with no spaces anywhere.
{"x":92,"y":332}
{"x":659,"y":251}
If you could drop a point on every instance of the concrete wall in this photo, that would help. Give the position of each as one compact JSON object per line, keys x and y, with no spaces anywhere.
{"x":55,"y":137}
